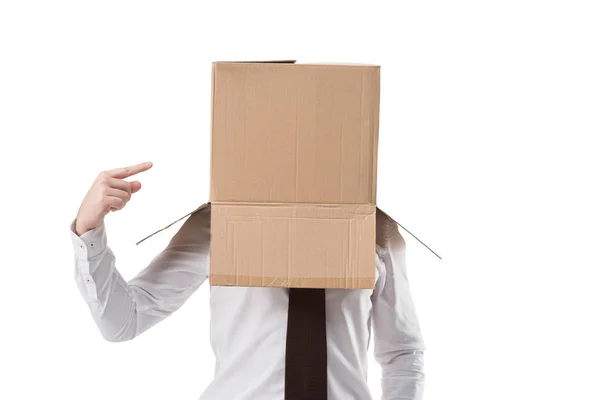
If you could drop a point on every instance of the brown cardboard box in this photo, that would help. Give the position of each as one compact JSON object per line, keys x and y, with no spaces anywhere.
{"x":293,"y":174}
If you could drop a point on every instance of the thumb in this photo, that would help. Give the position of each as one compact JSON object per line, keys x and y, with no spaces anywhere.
{"x":135,"y":186}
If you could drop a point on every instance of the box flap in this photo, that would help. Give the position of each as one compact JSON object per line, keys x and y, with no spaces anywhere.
{"x":293,"y":245}
{"x":257,"y":62}
{"x":174,"y":222}
{"x":397,"y":223}
{"x":206,"y":204}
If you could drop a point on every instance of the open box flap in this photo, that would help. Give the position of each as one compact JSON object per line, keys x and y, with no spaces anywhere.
{"x":174,"y":222}
{"x":409,"y":232}
{"x":208,"y":203}
{"x":257,"y":62}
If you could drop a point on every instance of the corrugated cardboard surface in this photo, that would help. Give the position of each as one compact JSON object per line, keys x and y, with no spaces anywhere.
{"x":293,"y":245}
{"x":294,"y":133}
{"x":293,"y":174}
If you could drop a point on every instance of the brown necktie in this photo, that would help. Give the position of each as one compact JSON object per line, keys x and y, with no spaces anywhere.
{"x":306,"y":346}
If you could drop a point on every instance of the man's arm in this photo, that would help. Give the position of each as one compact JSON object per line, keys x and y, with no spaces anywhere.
{"x":398,"y":342}
{"x":123,"y":310}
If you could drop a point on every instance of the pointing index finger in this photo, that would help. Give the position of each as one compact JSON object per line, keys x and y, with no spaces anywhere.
{"x":125,"y":172}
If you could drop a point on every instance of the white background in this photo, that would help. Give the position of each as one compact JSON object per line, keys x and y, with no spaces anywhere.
{"x":489,"y":115}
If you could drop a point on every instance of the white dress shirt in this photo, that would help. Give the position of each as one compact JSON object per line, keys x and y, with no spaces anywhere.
{"x":248,"y":324}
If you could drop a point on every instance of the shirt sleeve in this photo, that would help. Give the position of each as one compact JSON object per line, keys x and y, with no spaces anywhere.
{"x":123,"y":310}
{"x":398,"y":344}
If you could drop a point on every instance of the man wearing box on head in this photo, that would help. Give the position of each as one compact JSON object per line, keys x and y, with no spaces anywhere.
{"x":301,"y":263}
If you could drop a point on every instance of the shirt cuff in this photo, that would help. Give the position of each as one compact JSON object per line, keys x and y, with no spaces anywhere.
{"x":89,"y":244}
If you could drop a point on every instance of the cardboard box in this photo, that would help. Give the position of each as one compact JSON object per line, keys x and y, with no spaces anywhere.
{"x":293,"y":174}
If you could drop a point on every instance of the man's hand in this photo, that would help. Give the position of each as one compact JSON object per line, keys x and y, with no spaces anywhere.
{"x":109,"y":192}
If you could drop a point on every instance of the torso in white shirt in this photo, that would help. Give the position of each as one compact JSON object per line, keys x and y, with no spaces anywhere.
{"x":251,"y":357}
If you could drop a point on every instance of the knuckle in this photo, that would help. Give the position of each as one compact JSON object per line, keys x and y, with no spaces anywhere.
{"x":103,"y":177}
